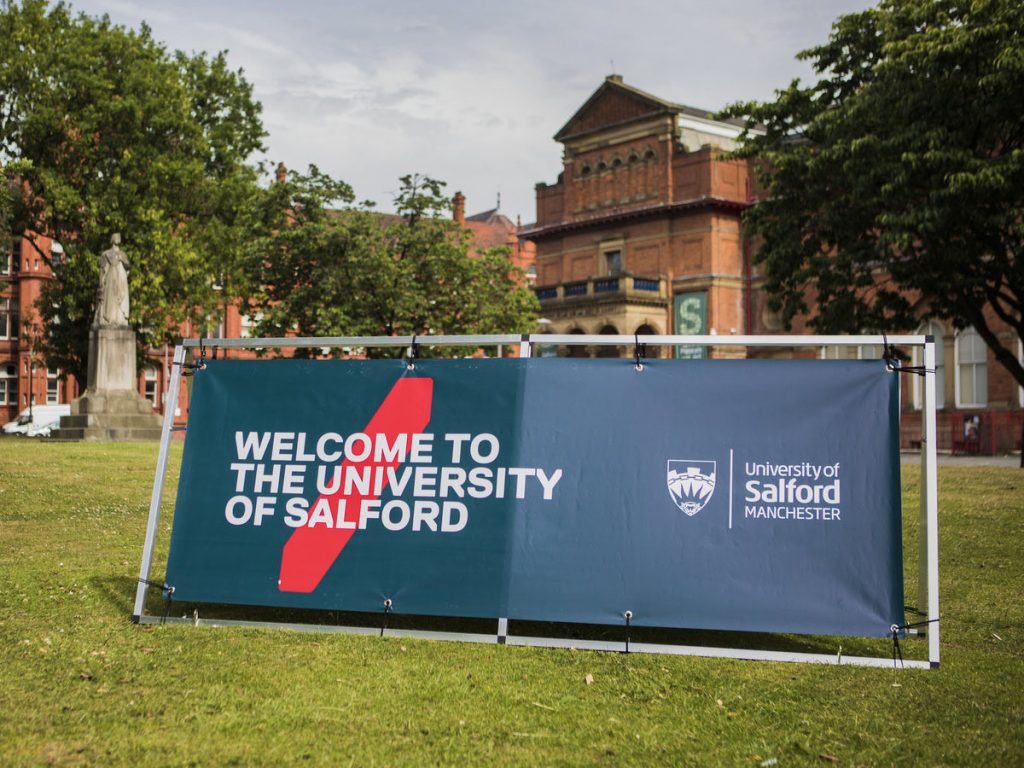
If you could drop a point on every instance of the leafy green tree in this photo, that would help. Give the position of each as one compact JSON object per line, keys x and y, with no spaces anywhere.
{"x":102,"y":130}
{"x":317,"y":270}
{"x":894,"y":185}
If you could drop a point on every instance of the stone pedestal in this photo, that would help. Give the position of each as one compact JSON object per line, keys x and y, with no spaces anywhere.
{"x":113,"y":415}
{"x":111,"y":359}
{"x":111,"y":408}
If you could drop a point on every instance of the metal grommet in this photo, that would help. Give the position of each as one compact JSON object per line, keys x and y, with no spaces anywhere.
{"x":627,"y":615}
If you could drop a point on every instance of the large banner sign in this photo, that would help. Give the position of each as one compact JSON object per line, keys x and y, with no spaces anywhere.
{"x":752,"y":495}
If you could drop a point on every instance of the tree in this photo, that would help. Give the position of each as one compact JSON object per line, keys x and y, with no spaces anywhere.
{"x":320,"y":271}
{"x":102,"y":130}
{"x":894,"y":185}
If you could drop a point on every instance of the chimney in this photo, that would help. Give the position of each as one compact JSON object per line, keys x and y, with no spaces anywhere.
{"x":459,"y":208}
{"x":281,"y":173}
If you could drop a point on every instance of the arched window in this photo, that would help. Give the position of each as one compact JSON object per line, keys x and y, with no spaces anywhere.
{"x":585,"y":169}
{"x":934,"y":330}
{"x":971,"y":370}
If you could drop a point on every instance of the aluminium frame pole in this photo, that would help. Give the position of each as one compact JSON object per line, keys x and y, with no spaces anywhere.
{"x":170,"y":405}
{"x":928,"y":542}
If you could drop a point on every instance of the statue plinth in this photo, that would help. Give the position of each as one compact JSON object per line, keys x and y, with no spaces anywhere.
{"x":111,"y":358}
{"x":111,"y":409}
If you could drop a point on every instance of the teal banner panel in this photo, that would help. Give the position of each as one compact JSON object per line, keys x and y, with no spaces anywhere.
{"x":758,"y":495}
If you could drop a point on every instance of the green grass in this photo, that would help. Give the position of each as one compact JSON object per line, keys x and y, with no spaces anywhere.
{"x":80,"y":684}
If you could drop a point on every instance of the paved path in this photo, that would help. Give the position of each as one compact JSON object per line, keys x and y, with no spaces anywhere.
{"x":908,"y":457}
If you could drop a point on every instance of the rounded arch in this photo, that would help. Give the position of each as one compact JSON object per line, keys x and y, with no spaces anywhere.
{"x":602,"y":165}
{"x":575,"y":350}
{"x":608,"y":351}
{"x":648,"y":329}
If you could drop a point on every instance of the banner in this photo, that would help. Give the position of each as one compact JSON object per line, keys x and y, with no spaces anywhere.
{"x":691,"y":315}
{"x":758,"y":495}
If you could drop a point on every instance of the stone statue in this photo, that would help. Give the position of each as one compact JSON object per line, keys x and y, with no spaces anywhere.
{"x":111,"y":407}
{"x":112,"y":299}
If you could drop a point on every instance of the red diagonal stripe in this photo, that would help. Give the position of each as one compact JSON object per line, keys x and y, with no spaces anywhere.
{"x":310,"y":552}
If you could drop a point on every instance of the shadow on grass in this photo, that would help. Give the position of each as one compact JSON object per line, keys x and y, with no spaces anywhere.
{"x":118,"y":592}
{"x":817,"y":644}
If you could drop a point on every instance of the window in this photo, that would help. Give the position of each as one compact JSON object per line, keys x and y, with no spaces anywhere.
{"x":971,"y":370}
{"x":9,"y":258}
{"x":8,"y":385}
{"x":248,"y":325}
{"x":151,"y":378}
{"x":1020,"y":356}
{"x":214,"y":328}
{"x":934,"y":330}
{"x":613,"y":263}
{"x":52,"y":386}
{"x":8,"y":320}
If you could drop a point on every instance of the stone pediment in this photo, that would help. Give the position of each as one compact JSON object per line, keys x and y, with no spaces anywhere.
{"x":614,"y":103}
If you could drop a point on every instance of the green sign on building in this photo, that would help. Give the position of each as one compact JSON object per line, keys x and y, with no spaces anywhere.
{"x":691,"y":314}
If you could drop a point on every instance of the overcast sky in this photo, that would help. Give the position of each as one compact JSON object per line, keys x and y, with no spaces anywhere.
{"x":472,"y":92}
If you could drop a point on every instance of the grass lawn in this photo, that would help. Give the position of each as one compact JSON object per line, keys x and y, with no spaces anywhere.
{"x":80,"y":684}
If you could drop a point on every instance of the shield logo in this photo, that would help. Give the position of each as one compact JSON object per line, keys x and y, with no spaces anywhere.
{"x":691,"y":484}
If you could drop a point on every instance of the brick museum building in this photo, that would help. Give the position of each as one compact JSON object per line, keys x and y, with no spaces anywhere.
{"x":640,"y":233}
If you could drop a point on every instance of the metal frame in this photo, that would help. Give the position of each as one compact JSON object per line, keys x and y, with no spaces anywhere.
{"x":928,"y":566}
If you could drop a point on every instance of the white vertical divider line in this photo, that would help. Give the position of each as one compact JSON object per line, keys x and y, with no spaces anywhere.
{"x":730,"y":489}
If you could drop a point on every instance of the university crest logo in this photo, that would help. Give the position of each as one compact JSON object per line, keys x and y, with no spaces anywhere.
{"x":691,"y":484}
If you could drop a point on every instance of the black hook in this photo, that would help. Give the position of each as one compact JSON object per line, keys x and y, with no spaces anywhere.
{"x":889,"y":354}
{"x":639,"y":352}
{"x":413,"y":354}
{"x":895,"y":629}
{"x":387,"y":610}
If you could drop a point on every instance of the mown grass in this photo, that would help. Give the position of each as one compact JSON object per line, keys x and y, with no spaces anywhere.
{"x":80,"y":684}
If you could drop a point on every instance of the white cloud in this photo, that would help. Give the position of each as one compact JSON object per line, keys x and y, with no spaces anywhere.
{"x":472,"y":92}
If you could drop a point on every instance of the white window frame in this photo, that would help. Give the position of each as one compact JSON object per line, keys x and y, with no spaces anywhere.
{"x":934,"y":329}
{"x":9,"y":373}
{"x":7,"y":311}
{"x":151,"y":379}
{"x":1020,"y":357}
{"x":960,"y":403}
{"x":52,"y":381}
{"x":7,"y":261}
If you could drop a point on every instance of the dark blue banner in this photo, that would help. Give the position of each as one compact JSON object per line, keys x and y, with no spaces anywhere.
{"x":752,"y":495}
